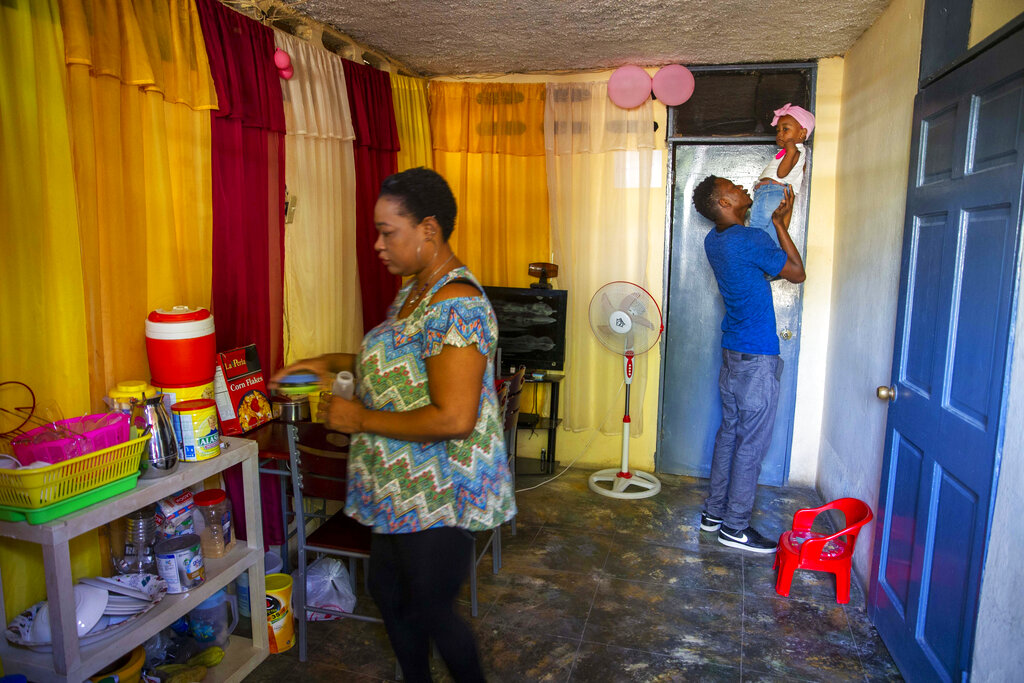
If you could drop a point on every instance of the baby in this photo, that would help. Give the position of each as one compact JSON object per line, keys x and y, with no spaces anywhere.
{"x":793,"y":127}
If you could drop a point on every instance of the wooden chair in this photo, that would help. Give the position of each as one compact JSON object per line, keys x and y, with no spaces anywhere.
{"x":508,"y":403}
{"x":515,"y":395}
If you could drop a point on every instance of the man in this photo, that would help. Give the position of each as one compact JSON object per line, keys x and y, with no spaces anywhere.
{"x":743,"y":260}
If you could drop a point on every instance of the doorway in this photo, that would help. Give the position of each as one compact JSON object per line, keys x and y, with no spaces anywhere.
{"x":691,"y":410}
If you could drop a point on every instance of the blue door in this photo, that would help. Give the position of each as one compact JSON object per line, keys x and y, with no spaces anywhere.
{"x":690,"y":406}
{"x":944,"y":430}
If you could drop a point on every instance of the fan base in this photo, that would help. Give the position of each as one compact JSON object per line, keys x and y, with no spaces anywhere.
{"x":648,"y":484}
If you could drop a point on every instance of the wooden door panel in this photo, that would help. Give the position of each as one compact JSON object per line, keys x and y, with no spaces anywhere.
{"x":944,"y":430}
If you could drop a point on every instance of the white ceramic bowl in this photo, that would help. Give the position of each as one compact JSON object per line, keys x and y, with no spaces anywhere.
{"x":89,"y":605}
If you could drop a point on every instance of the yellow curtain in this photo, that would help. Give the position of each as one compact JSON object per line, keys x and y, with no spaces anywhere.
{"x":139,"y":94}
{"x":413,"y":120}
{"x":601,"y":177}
{"x":322,"y":306}
{"x":42,"y":310}
{"x":489,"y":145}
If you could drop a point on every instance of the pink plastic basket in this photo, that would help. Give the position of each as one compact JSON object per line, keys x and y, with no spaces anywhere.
{"x":116,"y":431}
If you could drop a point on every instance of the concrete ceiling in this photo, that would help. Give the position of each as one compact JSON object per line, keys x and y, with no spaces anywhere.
{"x":455,"y":37}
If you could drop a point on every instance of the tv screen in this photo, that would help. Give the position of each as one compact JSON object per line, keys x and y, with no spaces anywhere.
{"x":531,"y":326}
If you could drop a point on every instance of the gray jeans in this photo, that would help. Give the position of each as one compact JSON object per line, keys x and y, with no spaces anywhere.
{"x":749,"y":386}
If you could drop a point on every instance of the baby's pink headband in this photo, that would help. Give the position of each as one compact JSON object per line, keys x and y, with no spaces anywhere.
{"x":802,"y":116}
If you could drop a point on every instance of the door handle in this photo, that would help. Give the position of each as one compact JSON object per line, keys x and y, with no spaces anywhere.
{"x":886,"y":393}
{"x":786,"y":335}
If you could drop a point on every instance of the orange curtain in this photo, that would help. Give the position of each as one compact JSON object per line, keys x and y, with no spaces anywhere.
{"x":139,"y":91}
{"x":489,"y":145}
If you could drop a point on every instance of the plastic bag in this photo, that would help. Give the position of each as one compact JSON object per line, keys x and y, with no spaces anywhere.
{"x":327,"y":585}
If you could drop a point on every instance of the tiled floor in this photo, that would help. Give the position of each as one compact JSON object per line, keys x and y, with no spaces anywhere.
{"x":596,"y":589}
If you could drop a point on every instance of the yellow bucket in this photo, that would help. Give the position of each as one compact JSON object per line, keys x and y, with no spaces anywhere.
{"x":280,"y":626}
{"x":196,"y":427}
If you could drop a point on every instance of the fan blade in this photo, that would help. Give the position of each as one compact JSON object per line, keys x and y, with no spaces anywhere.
{"x":643,"y":322}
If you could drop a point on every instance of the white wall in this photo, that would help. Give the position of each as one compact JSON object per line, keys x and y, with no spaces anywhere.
{"x":874,"y":153}
{"x":819,"y":263}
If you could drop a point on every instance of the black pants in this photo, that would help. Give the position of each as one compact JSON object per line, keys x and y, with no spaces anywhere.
{"x":415,"y":579}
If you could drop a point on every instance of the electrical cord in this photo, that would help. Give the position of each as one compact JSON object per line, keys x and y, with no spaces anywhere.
{"x":611,"y":404}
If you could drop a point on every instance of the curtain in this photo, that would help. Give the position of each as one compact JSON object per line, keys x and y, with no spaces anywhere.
{"x":489,"y":146}
{"x":599,"y":173}
{"x":138,"y":90}
{"x":376,"y":147}
{"x":413,"y":120}
{"x":248,"y":210}
{"x":322,"y":308}
{"x":42,"y":299}
{"x":248,"y":183}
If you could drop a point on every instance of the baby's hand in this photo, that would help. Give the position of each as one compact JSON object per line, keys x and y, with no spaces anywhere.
{"x":761,"y":183}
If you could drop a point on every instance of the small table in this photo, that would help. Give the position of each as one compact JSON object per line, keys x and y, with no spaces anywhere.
{"x":532,"y":421}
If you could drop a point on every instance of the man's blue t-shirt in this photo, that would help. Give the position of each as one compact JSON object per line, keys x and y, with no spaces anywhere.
{"x":740,"y":257}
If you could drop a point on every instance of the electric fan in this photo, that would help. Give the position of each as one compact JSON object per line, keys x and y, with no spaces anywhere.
{"x":626,"y":319}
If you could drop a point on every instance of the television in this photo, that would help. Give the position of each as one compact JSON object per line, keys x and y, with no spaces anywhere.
{"x":531,"y":326}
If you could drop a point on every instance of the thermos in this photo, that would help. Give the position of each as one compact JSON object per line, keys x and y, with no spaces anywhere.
{"x":161,"y":455}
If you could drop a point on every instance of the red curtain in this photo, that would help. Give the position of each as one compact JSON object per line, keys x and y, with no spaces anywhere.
{"x":247,"y":135}
{"x":248,"y":183}
{"x":376,"y":157}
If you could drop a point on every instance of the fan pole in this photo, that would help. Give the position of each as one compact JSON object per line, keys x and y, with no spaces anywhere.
{"x":618,"y":482}
{"x":627,"y":367}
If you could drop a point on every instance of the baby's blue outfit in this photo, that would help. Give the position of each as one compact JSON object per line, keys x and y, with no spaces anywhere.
{"x":766,"y":199}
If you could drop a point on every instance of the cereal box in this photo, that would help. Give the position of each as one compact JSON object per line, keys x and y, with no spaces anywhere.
{"x":240,"y":392}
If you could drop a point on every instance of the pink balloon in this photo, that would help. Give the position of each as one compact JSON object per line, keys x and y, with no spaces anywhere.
{"x":629,"y":86}
{"x":673,"y":84}
{"x":286,"y":74}
{"x":282,"y":60}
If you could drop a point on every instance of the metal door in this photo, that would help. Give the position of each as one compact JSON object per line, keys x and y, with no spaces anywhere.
{"x":691,"y":410}
{"x":944,"y":428}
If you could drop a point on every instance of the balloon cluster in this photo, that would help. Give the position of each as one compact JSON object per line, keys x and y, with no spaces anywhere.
{"x":630,"y":86}
{"x":283,"y":62}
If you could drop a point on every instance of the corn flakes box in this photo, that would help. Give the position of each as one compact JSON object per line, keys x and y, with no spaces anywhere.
{"x":240,"y":392}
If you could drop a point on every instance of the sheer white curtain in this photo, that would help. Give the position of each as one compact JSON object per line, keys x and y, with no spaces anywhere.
{"x":322,"y":307}
{"x":599,"y":163}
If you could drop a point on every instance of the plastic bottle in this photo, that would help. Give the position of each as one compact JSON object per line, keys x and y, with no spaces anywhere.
{"x":344,"y":385}
{"x":213,"y":522}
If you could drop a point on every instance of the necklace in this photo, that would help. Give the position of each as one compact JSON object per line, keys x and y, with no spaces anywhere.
{"x":426,"y":283}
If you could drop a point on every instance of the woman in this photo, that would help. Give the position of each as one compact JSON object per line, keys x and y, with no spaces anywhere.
{"x":427,"y":462}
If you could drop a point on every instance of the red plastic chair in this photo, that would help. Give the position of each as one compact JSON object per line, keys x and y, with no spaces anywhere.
{"x":801,"y":548}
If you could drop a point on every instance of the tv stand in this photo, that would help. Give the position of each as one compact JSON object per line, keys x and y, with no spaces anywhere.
{"x":532,"y":421}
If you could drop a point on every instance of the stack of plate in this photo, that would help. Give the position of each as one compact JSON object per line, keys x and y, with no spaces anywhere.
{"x":104,"y":607}
{"x":122,"y":605}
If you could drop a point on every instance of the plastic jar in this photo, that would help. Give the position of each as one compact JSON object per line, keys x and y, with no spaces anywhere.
{"x":181,"y":347}
{"x":212,"y":518}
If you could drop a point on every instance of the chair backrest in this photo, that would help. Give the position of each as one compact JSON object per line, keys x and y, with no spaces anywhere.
{"x":502,"y":401}
{"x":324,"y":469}
{"x":856,"y":514}
{"x":515,"y":394}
